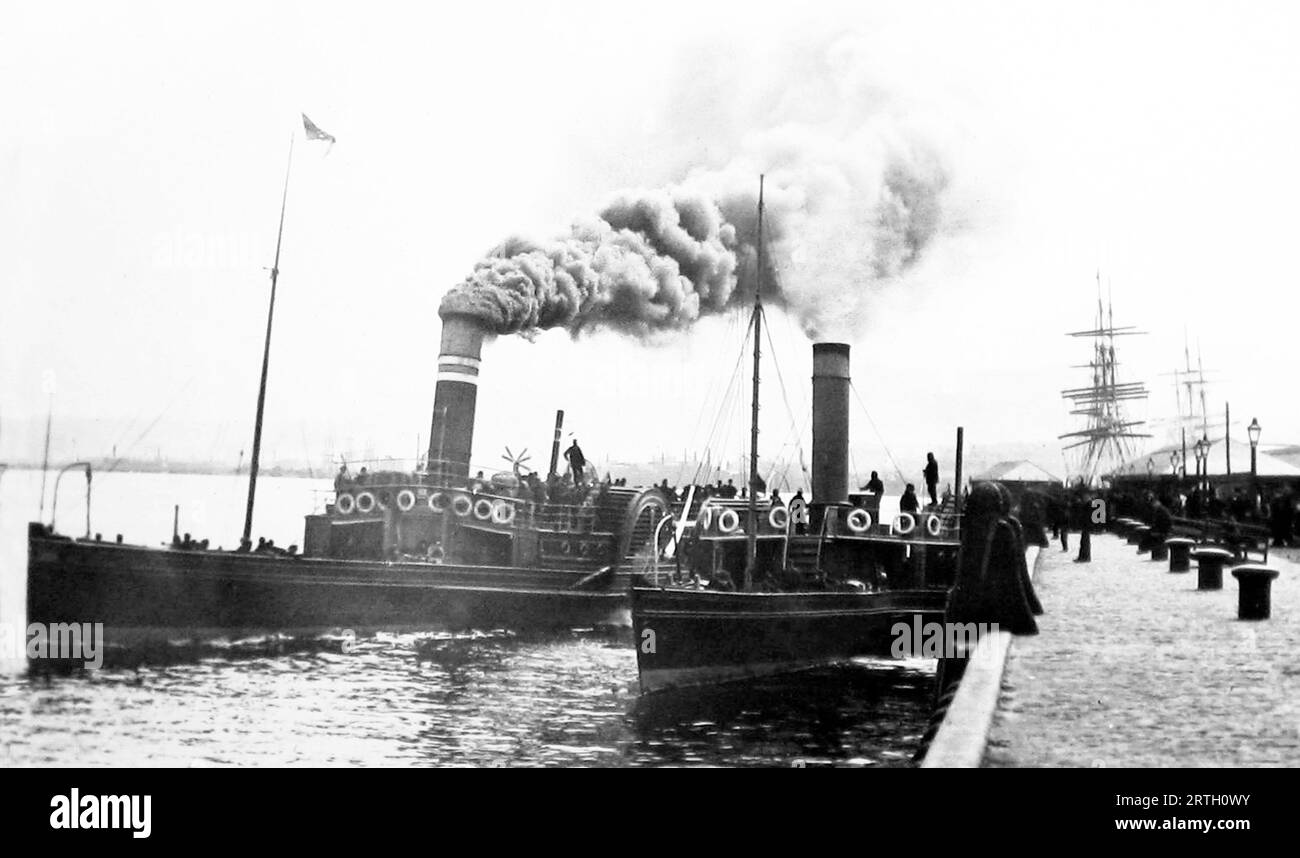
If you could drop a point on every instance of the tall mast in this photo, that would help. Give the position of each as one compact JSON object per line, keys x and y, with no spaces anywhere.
{"x":751,"y":528}
{"x":266,"y":359}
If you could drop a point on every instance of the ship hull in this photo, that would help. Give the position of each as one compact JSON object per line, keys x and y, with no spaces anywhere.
{"x":698,"y":637}
{"x":142,"y":594}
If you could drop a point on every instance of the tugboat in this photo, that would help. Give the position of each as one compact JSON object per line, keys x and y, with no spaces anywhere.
{"x":429,"y":549}
{"x":747,"y":588}
{"x":395,"y":550}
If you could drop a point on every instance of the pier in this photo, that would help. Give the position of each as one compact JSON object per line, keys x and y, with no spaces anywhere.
{"x":1134,"y":666}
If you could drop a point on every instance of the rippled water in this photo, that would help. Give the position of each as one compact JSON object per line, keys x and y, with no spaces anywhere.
{"x":488,"y":699}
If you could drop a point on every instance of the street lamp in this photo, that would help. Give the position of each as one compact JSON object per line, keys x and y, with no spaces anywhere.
{"x":1173,"y":463}
{"x":1253,"y":431}
{"x":1201,"y":449}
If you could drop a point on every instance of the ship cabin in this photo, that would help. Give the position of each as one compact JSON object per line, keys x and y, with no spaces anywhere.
{"x":818,"y":545}
{"x":438,"y":518}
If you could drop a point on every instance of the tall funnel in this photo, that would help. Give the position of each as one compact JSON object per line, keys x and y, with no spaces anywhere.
{"x":459,"y":358}
{"x":830,"y":423}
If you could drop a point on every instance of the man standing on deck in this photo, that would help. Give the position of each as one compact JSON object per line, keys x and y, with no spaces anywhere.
{"x":932,"y":478}
{"x":874,"y":485}
{"x":576,"y":460}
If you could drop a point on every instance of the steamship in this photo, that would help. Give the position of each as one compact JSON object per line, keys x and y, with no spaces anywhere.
{"x":432,"y":549}
{"x":748,"y":588}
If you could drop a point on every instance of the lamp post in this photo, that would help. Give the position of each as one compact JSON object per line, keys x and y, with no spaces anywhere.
{"x":1253,"y":431}
{"x":1200,"y":450}
{"x":1173,"y":463}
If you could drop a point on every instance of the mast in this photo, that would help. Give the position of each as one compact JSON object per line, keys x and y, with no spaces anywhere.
{"x":266,"y":359}
{"x":751,"y":528}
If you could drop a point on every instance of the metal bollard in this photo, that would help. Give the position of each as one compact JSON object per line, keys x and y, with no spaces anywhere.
{"x":1180,"y":552}
{"x":1143,"y":538}
{"x":1159,"y":549}
{"x":1254,"y":599}
{"x":1209,"y":567}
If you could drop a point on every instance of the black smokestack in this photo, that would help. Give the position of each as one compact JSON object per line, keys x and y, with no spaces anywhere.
{"x":459,"y":357}
{"x":830,"y":423}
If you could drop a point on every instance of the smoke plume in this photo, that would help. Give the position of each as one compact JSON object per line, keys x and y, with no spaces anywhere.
{"x":849,"y":209}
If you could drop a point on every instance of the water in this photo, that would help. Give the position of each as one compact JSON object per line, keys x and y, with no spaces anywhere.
{"x":482,"y":699}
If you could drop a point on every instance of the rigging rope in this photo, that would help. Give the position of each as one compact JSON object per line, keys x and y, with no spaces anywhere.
{"x":885,"y":446}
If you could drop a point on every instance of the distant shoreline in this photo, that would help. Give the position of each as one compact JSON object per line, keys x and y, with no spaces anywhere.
{"x":107,"y":466}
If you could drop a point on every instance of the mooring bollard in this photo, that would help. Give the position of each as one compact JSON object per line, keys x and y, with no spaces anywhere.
{"x":1134,"y":534}
{"x":1121,"y":526}
{"x":1159,"y":548}
{"x":1144,"y":538}
{"x":1180,"y":552}
{"x":1254,"y":599}
{"x":1209,"y":567}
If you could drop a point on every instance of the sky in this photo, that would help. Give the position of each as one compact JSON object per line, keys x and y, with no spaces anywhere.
{"x":144,"y":156}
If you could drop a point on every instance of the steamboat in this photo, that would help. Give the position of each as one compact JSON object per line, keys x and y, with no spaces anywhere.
{"x":426,"y":549}
{"x":754,"y":587}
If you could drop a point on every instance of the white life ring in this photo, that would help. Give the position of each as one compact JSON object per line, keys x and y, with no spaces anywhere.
{"x":461,"y":505}
{"x":728,"y":521}
{"x":406,"y":500}
{"x":705,"y":519}
{"x":779,"y":517}
{"x":435,"y":553}
{"x":483,"y":509}
{"x":438,"y":502}
{"x":933,"y":525}
{"x":344,"y":504}
{"x":365,"y":502}
{"x":910,"y":526}
{"x":503,"y":513}
{"x":858,"y":521}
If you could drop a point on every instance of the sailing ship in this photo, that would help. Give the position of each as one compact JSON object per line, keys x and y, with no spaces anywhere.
{"x":738,"y":589}
{"x":1106,"y":441}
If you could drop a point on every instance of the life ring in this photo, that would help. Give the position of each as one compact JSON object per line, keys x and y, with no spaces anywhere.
{"x":705,"y":519}
{"x":503,"y":513}
{"x":384,"y":500}
{"x":779,"y":517}
{"x":728,"y":521}
{"x":344,"y":504}
{"x":858,"y":521}
{"x":438,"y":502}
{"x":483,"y":509}
{"x":565,"y":547}
{"x":584,"y":548}
{"x":406,"y":500}
{"x":435,"y":553}
{"x":910,"y":523}
{"x":365,"y":502}
{"x":461,"y":505}
{"x":933,"y":525}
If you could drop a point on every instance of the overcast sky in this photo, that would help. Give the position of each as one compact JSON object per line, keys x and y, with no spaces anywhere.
{"x":143,"y":156}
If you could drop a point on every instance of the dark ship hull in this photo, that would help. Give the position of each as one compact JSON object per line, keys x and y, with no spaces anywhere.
{"x":687,"y":638}
{"x":143,"y":594}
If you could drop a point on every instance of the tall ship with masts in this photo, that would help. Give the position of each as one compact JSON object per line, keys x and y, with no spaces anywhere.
{"x":1107,"y":439}
{"x":738,"y":589}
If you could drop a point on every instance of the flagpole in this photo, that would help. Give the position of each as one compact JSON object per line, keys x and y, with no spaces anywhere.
{"x":247,"y":542}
